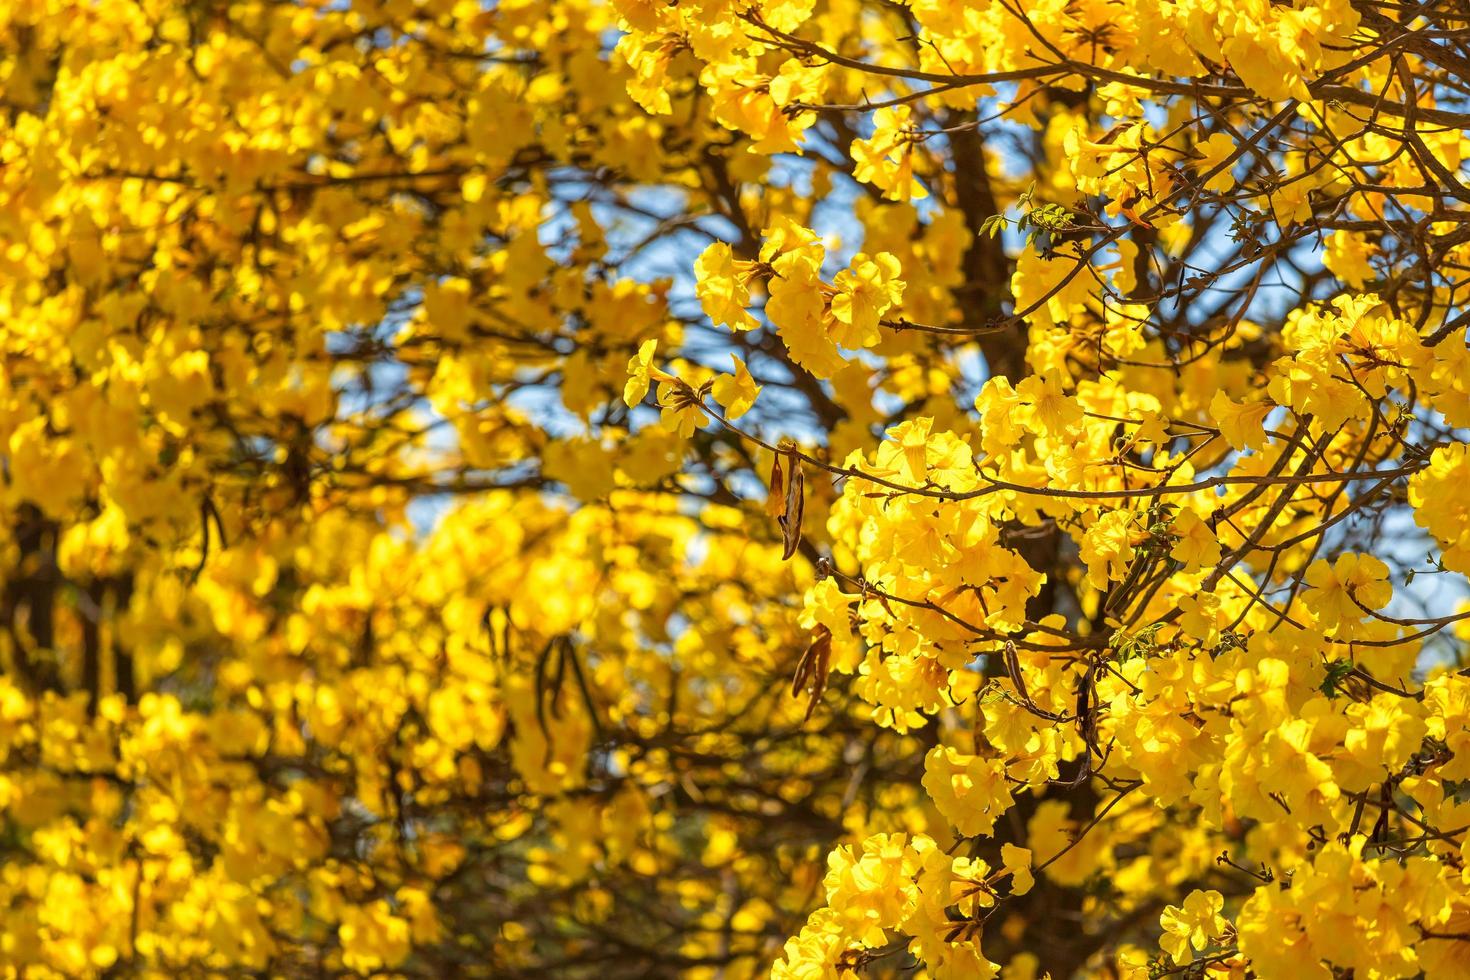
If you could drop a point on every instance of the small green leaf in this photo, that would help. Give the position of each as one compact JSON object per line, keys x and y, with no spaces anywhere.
{"x":1337,"y":671}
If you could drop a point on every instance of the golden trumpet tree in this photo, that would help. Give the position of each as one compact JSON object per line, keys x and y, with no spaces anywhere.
{"x":727,"y":488}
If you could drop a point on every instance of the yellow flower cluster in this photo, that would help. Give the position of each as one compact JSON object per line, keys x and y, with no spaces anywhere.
{"x":726,"y":488}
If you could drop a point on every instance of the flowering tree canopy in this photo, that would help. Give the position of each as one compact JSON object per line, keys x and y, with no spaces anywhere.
{"x":728,"y":488}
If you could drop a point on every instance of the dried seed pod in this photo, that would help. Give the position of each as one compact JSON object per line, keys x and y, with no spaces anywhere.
{"x":795,"y":502}
{"x":776,"y":498}
{"x":813,"y":667}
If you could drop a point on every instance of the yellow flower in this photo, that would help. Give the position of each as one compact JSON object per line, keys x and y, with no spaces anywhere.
{"x":886,"y":159}
{"x":1017,"y":861}
{"x":1001,"y":428}
{"x":796,"y":307}
{"x":1107,"y":547}
{"x":1347,"y":587}
{"x":912,"y":440}
{"x":1048,"y":405}
{"x":1214,"y":152}
{"x":1197,"y":546}
{"x":681,"y":402}
{"x":736,"y":392}
{"x":971,"y":792}
{"x":813,"y":953}
{"x":640,"y":370}
{"x":1242,"y":425}
{"x":873,"y":889}
{"x":1193,"y":925}
{"x":722,"y":285}
{"x":864,"y":292}
{"x":1441,"y":505}
{"x":1203,"y":616}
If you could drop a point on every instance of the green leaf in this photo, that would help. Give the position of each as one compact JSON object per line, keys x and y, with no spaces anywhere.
{"x":1337,"y":672}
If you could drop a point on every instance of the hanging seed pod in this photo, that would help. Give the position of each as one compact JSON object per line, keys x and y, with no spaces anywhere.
{"x":795,"y":501}
{"x":776,"y":498}
{"x":813,"y":668}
